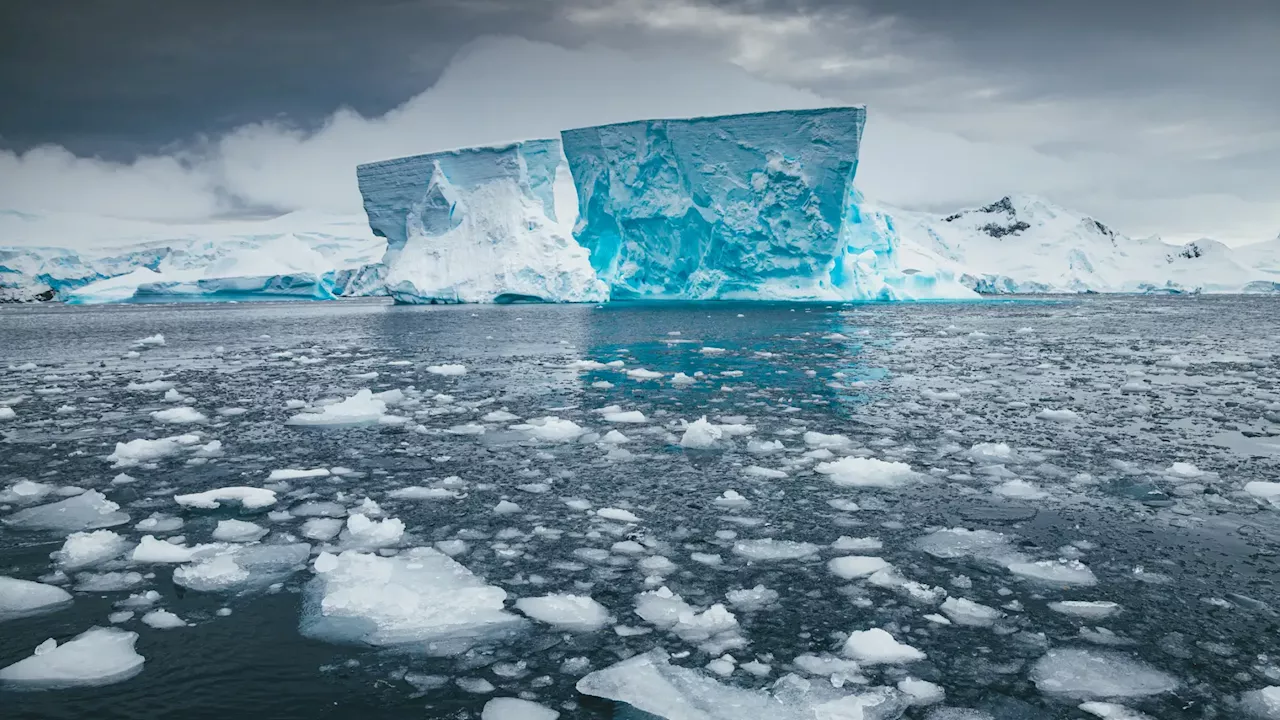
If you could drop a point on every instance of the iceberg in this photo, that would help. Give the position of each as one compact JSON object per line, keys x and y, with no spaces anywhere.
{"x":295,"y":256}
{"x":478,"y":225}
{"x":755,"y":206}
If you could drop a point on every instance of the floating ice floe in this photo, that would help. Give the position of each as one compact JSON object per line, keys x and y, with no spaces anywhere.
{"x":178,"y":415}
{"x":509,"y":708}
{"x":701,"y":434}
{"x":248,"y":497}
{"x":98,"y":656}
{"x":25,"y":492}
{"x":1268,"y":491}
{"x":292,"y":474}
{"x":575,"y":613}
{"x":418,"y":600}
{"x":359,"y":409}
{"x":448,"y":369}
{"x":855,"y":566}
{"x":769,"y":549}
{"x":366,"y":534}
{"x":156,"y":340}
{"x":1094,"y":610}
{"x":867,"y":472}
{"x":551,"y":429}
{"x":25,"y":598}
{"x":163,"y":620}
{"x":238,"y":531}
{"x":650,"y":684}
{"x":137,"y":452}
{"x":151,"y":551}
{"x":1262,"y":704}
{"x":618,"y":515}
{"x":89,"y":510}
{"x":1061,"y":571}
{"x":1087,"y":674}
{"x":1061,"y":416}
{"x":238,"y":568}
{"x":85,"y":549}
{"x":7,"y":413}
{"x":963,"y":611}
{"x":878,"y":647}
{"x":1112,"y":711}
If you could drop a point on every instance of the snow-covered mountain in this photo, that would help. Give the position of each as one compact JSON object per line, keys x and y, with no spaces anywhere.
{"x":1026,"y":244}
{"x":297,"y":255}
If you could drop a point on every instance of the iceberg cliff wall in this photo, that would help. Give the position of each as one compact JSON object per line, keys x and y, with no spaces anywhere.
{"x":477,"y":225}
{"x":758,"y":206}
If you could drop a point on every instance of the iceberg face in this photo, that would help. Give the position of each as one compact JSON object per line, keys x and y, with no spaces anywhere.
{"x":477,"y":225}
{"x":757,"y":206}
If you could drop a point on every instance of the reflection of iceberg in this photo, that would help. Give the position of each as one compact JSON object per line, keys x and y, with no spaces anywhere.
{"x":757,"y":206}
{"x":477,"y":225}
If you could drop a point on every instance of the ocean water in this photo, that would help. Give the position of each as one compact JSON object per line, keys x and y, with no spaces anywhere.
{"x":1112,"y":449}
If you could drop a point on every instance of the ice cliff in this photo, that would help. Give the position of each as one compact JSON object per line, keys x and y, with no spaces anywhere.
{"x":478,"y":225}
{"x":757,"y":206}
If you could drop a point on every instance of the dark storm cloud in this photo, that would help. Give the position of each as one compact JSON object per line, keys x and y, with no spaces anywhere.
{"x":127,"y":75}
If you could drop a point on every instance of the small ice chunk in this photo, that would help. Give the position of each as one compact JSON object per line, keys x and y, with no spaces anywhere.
{"x":292,"y":474}
{"x":618,"y":515}
{"x":1087,"y":674}
{"x":1019,"y":489}
{"x":107,"y":581}
{"x":238,"y":531}
{"x":25,"y":492}
{"x":855,"y":566}
{"x":827,"y":442}
{"x":921,"y":692}
{"x":1094,"y":610}
{"x":361,"y":532}
{"x":86,"y":549}
{"x":551,"y":429}
{"x":98,"y":656}
{"x":419,"y":599}
{"x":141,"y":450}
{"x":507,"y":708}
{"x":991,"y":453}
{"x":1263,"y":704}
{"x":1061,"y":416}
{"x":1268,"y":491}
{"x":417,"y":492}
{"x":447,"y":369}
{"x":749,"y":599}
{"x":499,"y":416}
{"x":852,"y":544}
{"x":248,"y":497}
{"x":153,"y":551}
{"x":179,"y":415}
{"x":963,"y":611}
{"x":156,"y":340}
{"x":878,"y":647}
{"x":25,"y":598}
{"x":630,"y":416}
{"x":506,"y":507}
{"x":575,"y":613}
{"x":87,"y":511}
{"x":7,"y":413}
{"x":163,"y":620}
{"x":1112,"y":711}
{"x":359,"y":409}
{"x":867,"y":472}
{"x":763,"y":472}
{"x":1056,"y":572}
{"x":769,"y":549}
{"x":321,"y":528}
{"x":701,"y":434}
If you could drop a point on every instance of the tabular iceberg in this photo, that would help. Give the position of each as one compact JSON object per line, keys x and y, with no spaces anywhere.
{"x":477,"y":225}
{"x":758,"y":206}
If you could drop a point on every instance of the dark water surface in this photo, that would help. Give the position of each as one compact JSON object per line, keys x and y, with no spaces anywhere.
{"x":955,"y":391}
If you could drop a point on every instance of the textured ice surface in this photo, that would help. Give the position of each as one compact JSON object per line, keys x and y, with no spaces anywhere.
{"x":1087,"y":674}
{"x":88,"y":511}
{"x":878,"y":647}
{"x":1262,"y":704}
{"x":866,"y":472}
{"x":83,"y":549}
{"x":98,"y":656}
{"x":141,"y":450}
{"x":576,"y":613}
{"x":477,"y":225}
{"x":649,"y":683}
{"x":747,"y":206}
{"x":420,"y":600}
{"x":247,"y":497}
{"x":24,"y":598}
{"x":363,"y":408}
{"x":507,"y":708}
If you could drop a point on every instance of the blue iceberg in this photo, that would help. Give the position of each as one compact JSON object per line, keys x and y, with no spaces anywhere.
{"x":478,"y":225}
{"x":756,"y":206}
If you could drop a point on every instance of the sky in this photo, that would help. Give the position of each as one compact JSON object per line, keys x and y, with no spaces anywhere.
{"x":1156,"y":118}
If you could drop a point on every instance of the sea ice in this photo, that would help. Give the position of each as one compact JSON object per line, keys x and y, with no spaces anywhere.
{"x":163,"y":620}
{"x":85,"y":549}
{"x":420,"y":599}
{"x":576,"y":613}
{"x":1093,"y":610}
{"x":366,"y":534}
{"x":867,"y":472}
{"x":24,"y":598}
{"x":140,"y":451}
{"x":359,"y":409}
{"x":248,"y":497}
{"x":1058,"y":572}
{"x":963,"y":611}
{"x":855,"y":566}
{"x":617,"y":514}
{"x":701,"y":434}
{"x":88,"y":511}
{"x":551,"y":429}
{"x":292,"y":474}
{"x":451,"y":369}
{"x":152,"y":551}
{"x":878,"y":647}
{"x":1086,"y":674}
{"x":238,"y":531}
{"x":178,"y":415}
{"x":508,"y":708}
{"x":1262,"y":704}
{"x":769,"y":549}
{"x":98,"y":656}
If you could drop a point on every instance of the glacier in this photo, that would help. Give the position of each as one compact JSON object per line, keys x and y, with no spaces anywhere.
{"x":300,"y":256}
{"x":754,"y":206}
{"x":478,"y":225}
